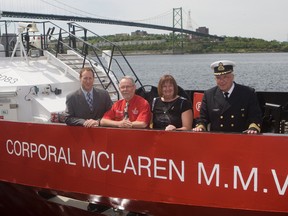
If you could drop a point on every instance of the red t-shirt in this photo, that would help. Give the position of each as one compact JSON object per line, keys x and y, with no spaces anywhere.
{"x":138,"y":110}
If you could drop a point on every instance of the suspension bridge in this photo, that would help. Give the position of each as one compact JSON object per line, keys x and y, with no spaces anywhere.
{"x":63,"y":12}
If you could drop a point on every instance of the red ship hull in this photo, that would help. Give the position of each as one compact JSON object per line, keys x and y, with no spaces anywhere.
{"x":153,"y":172}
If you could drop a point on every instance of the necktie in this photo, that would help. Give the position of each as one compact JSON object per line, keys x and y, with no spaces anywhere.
{"x":90,"y":100}
{"x":226,"y":95}
{"x":126,"y":115}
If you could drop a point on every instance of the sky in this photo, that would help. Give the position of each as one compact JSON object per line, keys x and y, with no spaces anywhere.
{"x":244,"y":18}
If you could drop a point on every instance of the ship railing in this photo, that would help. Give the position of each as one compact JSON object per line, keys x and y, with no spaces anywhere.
{"x":99,"y":46}
{"x":109,"y":57}
{"x":58,"y":42}
{"x":85,"y":61}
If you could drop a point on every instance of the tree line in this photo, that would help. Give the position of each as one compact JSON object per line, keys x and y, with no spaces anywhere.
{"x":167,"y":43}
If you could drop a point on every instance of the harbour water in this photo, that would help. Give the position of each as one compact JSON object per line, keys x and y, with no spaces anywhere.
{"x":262,"y":71}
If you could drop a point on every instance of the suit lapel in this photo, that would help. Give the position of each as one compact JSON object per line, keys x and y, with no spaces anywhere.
{"x":82,"y":100}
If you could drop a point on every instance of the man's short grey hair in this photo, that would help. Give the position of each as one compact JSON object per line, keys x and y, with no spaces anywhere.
{"x":129,"y":78}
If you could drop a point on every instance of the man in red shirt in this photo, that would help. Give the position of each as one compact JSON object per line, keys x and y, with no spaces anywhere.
{"x":132,"y":111}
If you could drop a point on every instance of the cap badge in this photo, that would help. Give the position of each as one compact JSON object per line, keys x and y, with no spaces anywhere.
{"x":221,"y":67}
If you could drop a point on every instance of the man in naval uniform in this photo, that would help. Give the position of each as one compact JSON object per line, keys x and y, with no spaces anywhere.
{"x":229,"y":107}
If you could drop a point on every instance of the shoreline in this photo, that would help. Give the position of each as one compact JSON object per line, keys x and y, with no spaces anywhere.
{"x":135,"y":53}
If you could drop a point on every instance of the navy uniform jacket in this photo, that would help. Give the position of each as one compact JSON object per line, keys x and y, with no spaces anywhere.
{"x":77,"y":108}
{"x":236,"y":114}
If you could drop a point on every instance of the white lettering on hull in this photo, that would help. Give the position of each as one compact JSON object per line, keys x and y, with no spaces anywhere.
{"x":158,"y":168}
{"x":207,"y":175}
{"x":281,"y":190}
{"x":43,"y":152}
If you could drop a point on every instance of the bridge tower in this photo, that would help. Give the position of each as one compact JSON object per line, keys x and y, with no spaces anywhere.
{"x":189,"y":21}
{"x":177,"y":37}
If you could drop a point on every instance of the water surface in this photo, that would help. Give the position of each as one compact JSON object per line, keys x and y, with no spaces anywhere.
{"x":262,"y":71}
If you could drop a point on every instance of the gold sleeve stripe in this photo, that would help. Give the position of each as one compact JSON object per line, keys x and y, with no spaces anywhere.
{"x":253,"y":125}
{"x":201,"y":126}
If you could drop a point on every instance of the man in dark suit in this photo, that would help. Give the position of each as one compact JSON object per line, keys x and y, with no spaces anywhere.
{"x":229,"y":107}
{"x":87,"y":105}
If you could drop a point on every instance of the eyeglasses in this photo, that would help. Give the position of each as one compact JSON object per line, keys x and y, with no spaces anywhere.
{"x":126,"y":87}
